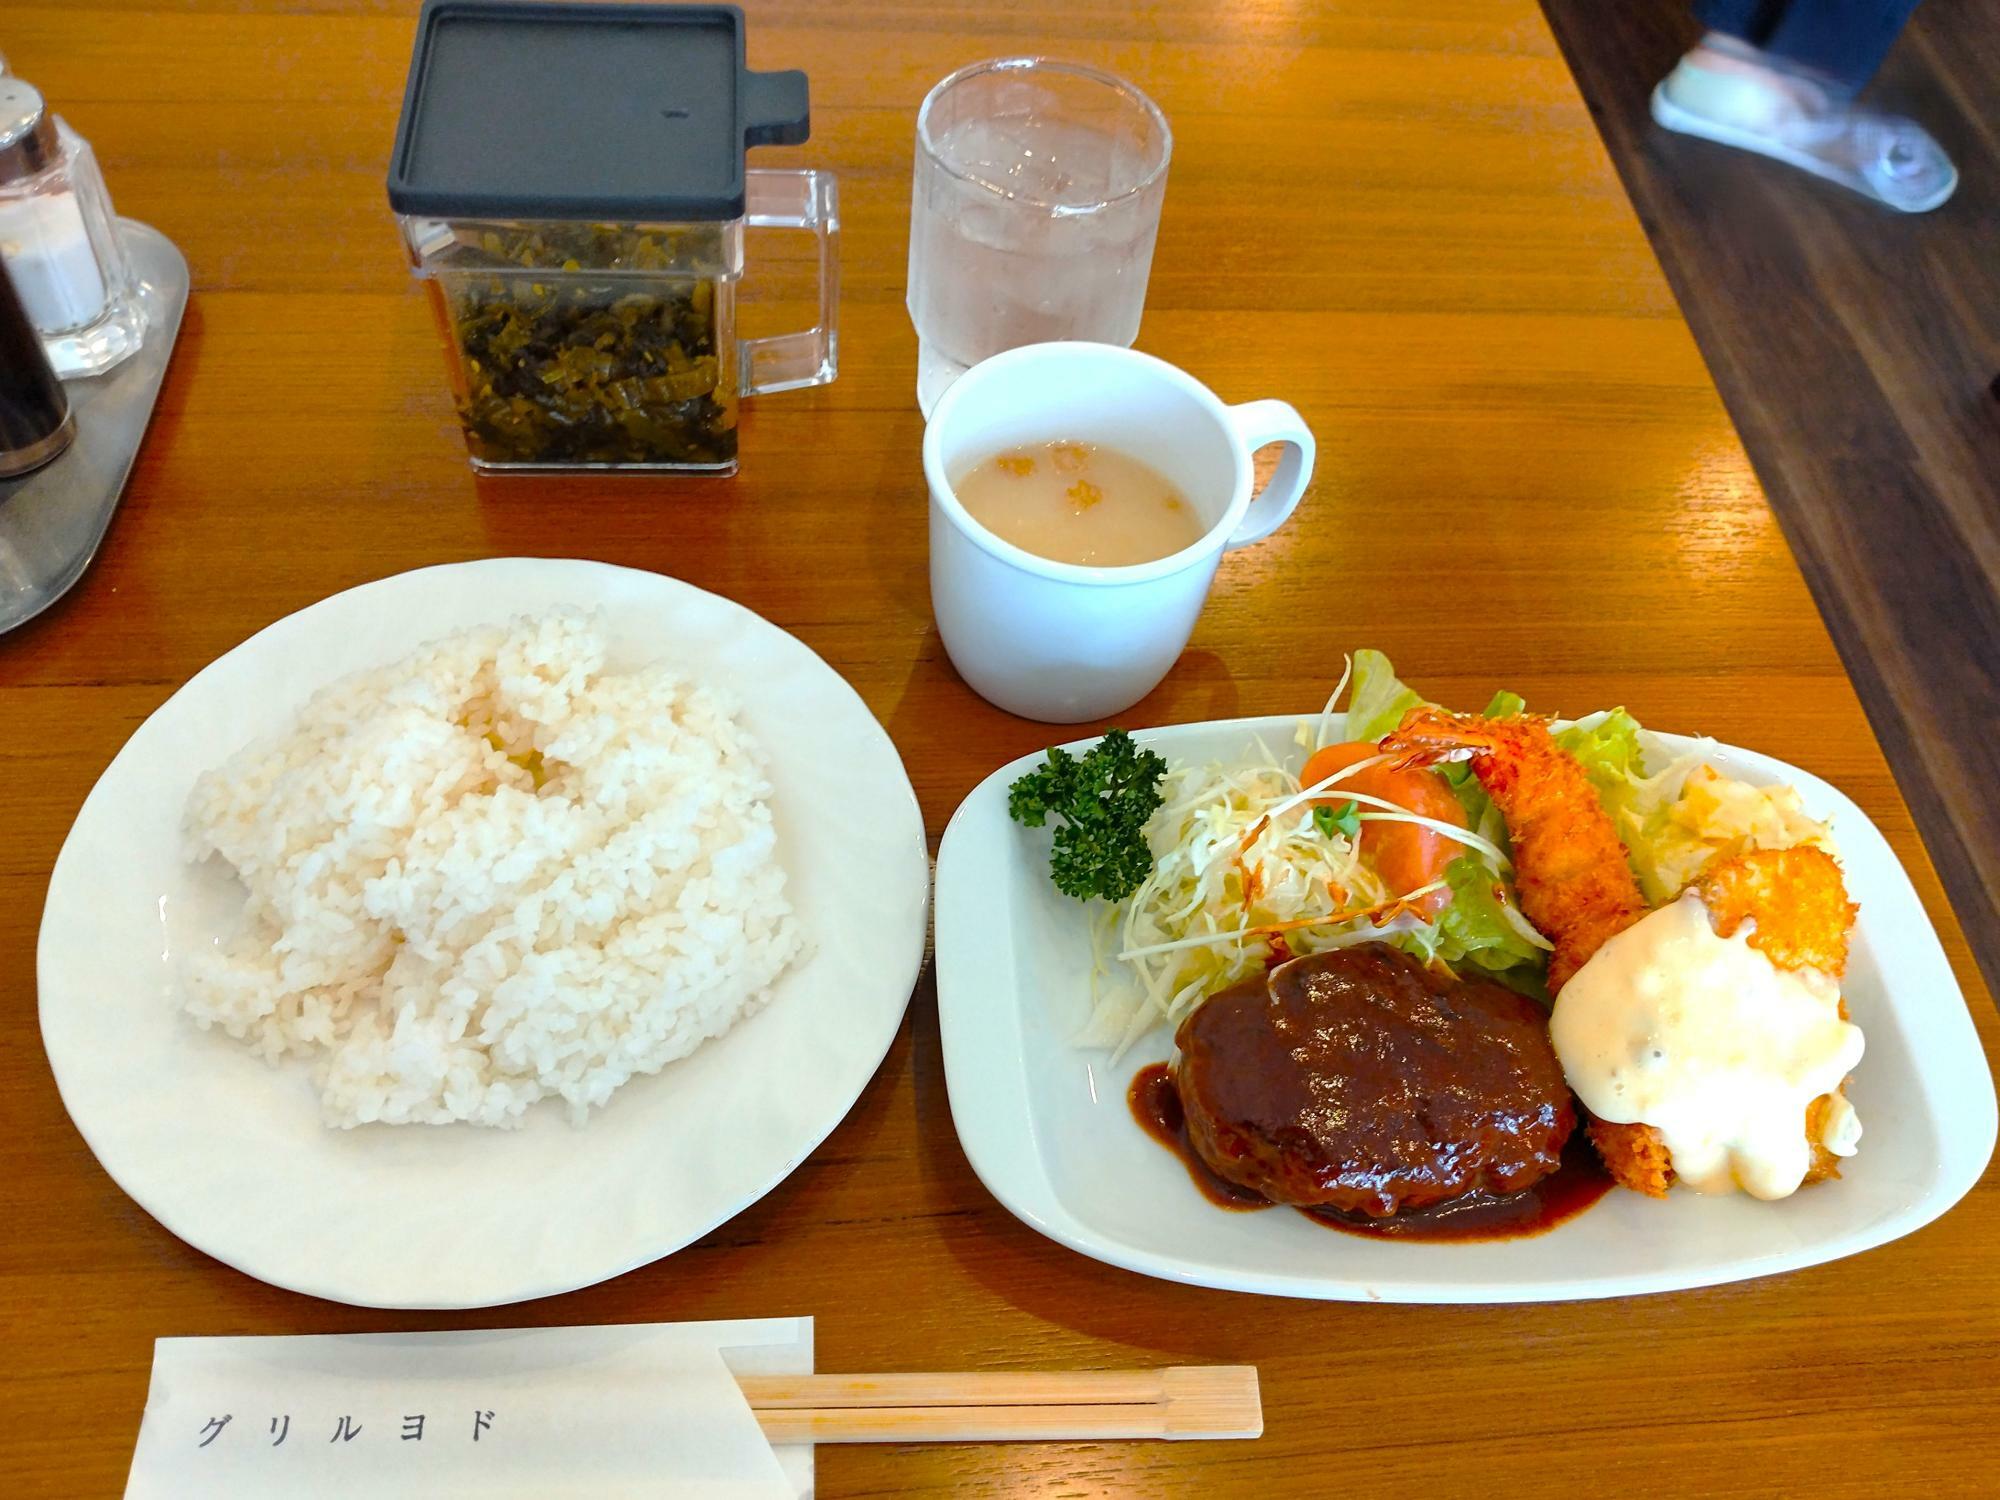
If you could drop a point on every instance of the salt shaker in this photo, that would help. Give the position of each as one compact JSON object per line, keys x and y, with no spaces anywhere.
{"x":35,"y":424}
{"x":59,"y":240}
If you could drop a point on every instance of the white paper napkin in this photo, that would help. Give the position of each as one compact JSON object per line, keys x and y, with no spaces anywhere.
{"x":631,"y":1409}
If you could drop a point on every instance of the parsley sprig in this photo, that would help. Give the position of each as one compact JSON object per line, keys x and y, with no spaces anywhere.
{"x":1102,"y":801}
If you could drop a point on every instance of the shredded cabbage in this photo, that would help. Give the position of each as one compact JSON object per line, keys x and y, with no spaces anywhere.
{"x":1222,"y":868}
{"x":1240,"y":861}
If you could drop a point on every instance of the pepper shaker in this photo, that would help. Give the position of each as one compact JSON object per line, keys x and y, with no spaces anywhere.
{"x":60,"y":241}
{"x":35,"y":422}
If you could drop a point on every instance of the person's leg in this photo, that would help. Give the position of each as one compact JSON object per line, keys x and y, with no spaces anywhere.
{"x":1842,"y":40}
{"x":1779,"y":77}
{"x":1747,"y":20}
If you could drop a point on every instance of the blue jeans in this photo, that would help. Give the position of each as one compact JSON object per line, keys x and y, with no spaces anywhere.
{"x":1846,"y":39}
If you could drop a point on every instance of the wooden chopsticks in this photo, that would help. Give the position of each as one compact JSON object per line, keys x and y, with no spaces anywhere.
{"x":1177,"y":1402}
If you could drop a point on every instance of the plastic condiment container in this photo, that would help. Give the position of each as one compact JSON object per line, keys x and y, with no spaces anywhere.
{"x":571,"y":186}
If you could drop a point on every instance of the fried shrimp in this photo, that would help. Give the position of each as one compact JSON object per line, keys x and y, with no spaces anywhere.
{"x":1796,"y":903}
{"x":1569,"y":867}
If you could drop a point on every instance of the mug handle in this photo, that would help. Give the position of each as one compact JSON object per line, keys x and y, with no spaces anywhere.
{"x":1258,"y":423}
{"x":787,"y":361}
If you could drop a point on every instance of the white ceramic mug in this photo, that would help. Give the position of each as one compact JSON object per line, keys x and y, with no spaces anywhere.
{"x":1059,"y":641}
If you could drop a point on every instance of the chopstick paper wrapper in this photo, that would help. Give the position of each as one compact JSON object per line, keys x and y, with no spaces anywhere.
{"x":633,"y":1409}
{"x":726,"y":1409}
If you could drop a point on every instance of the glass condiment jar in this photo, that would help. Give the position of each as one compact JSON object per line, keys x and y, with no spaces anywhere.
{"x":60,"y":241}
{"x":579,"y":224}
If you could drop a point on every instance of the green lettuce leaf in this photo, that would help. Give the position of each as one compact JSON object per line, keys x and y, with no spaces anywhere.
{"x":1608,"y":750}
{"x":1377,"y":700}
{"x":1473,"y":929}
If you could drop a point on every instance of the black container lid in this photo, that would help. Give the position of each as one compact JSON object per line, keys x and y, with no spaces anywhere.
{"x":534,"y":109}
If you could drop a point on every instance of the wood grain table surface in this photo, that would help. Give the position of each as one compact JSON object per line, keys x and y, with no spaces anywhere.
{"x":1858,"y":351}
{"x":1395,"y":214}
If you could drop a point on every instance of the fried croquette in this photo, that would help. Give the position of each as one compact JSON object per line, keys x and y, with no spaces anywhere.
{"x":1795,"y":900}
{"x":1797,"y":904}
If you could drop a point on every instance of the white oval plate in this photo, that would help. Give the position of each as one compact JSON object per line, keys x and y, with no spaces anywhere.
{"x":229,"y":1153}
{"x":1046,"y":1124}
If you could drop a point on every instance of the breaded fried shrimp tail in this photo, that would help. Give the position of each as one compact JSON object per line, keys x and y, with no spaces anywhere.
{"x":1569,"y":866}
{"x":1634,"y":1155}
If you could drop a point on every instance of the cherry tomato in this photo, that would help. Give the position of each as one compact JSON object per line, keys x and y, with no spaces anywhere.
{"x":1406,"y":855}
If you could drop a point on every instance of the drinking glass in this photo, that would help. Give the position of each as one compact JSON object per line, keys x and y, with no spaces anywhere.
{"x":1033,"y":213}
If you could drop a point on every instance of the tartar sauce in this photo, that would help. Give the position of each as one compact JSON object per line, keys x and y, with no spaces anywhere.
{"x":1706,"y":1040}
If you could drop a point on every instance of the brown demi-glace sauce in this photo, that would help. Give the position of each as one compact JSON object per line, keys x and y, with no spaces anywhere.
{"x":1156,"y":1105}
{"x":1562,"y":1195}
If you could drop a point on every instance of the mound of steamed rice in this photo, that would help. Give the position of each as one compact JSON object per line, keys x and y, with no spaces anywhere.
{"x":491,"y":873}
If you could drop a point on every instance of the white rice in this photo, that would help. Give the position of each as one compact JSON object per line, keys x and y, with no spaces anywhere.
{"x":449,"y":940}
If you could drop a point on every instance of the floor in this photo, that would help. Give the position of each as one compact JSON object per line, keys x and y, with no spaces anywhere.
{"x":1858,"y":351}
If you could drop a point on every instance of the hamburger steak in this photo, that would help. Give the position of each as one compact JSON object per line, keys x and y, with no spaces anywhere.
{"x":1361,"y":1081}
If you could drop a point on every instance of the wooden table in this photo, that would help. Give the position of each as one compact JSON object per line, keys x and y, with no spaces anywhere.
{"x":1393,"y":213}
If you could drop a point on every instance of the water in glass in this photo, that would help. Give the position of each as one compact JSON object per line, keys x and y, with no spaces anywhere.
{"x":1034,"y":210}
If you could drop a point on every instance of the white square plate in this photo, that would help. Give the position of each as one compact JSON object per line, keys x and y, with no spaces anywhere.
{"x":1048,"y":1130}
